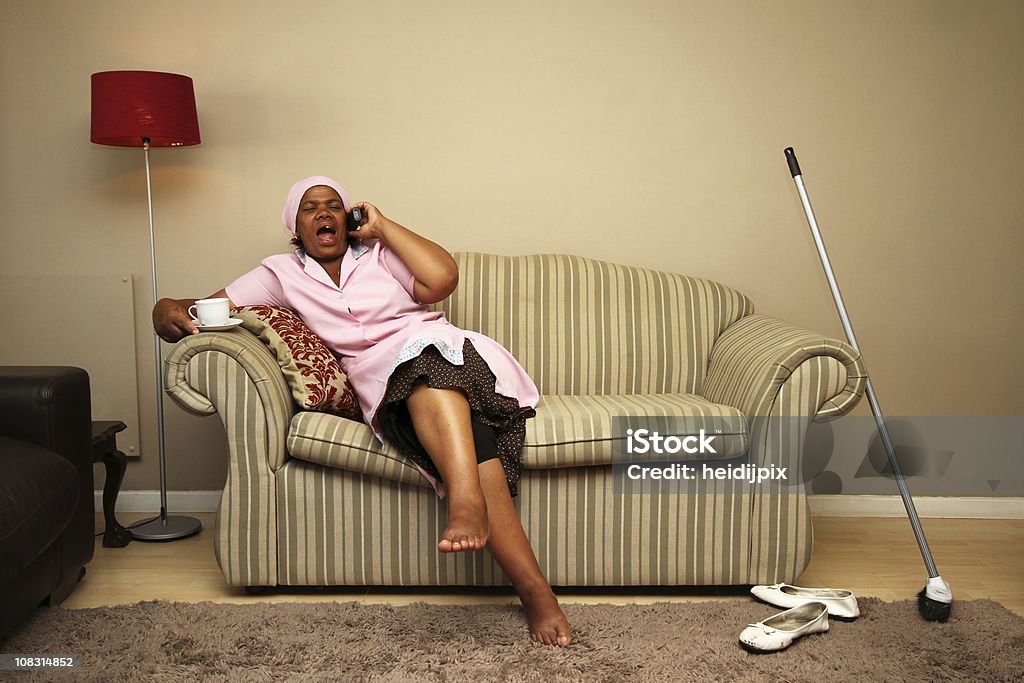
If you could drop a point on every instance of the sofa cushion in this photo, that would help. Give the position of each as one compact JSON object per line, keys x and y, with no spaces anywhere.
{"x":313,"y":374}
{"x":336,"y":442}
{"x":579,"y":431}
{"x":569,"y":431}
{"x":38,"y":496}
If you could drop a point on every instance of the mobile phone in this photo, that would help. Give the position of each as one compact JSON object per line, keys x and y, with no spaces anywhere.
{"x":354,"y":218}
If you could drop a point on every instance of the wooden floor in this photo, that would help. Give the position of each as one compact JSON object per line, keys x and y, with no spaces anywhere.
{"x":870,"y":556}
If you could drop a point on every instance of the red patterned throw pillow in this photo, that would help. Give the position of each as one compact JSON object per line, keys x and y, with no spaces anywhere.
{"x":314,"y":376}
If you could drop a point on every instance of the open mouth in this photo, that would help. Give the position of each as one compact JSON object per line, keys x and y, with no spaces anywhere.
{"x":327,"y":234}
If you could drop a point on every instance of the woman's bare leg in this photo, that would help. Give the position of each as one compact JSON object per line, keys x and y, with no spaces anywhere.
{"x":442,"y":421}
{"x":480,"y":508}
{"x":510,"y":547}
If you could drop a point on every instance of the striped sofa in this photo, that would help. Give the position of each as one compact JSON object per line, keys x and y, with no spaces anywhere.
{"x":313,"y":499}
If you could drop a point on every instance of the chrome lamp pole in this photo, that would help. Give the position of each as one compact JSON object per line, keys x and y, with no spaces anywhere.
{"x":163,"y":527}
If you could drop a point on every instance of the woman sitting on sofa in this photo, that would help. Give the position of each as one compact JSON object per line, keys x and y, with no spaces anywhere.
{"x":453,"y":401}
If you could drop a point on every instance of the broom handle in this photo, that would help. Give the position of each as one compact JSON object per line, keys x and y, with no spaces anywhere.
{"x":876,"y":409}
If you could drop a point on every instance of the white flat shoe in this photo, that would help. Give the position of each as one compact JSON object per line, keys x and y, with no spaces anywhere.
{"x":778,"y":632}
{"x":841,"y":603}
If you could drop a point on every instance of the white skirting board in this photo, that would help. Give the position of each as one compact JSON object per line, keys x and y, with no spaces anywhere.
{"x":178,"y":502}
{"x":966,"y":507}
{"x":929,"y":507}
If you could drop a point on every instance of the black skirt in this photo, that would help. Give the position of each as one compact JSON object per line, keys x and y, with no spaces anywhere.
{"x":492,"y":413}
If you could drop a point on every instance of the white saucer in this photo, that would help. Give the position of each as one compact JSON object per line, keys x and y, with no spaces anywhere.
{"x":232,"y":322}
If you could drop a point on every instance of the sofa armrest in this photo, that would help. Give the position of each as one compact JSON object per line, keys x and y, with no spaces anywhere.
{"x":50,"y":407}
{"x":757,"y":355}
{"x":221,"y":372}
{"x":237,"y":349}
{"x":782,"y":378}
{"x":232,"y":373}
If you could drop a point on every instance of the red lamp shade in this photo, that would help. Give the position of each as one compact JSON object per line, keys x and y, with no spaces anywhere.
{"x":128,"y":106}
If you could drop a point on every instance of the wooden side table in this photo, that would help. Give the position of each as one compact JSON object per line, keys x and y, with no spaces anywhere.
{"x":104,"y":449}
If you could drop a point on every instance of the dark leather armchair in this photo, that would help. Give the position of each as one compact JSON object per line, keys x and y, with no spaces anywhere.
{"x":47,"y":516}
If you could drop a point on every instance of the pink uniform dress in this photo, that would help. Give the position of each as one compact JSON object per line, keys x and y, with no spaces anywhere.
{"x":371,"y":321}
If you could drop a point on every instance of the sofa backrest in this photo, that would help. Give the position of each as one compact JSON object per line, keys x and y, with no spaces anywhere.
{"x":581,"y":326}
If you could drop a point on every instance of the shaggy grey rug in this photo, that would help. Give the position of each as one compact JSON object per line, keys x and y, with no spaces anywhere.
{"x":161,"y":641}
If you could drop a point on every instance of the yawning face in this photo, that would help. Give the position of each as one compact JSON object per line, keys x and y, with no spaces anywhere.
{"x":320,"y":224}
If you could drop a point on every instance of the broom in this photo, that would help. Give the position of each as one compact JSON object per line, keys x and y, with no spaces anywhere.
{"x":935,"y":601}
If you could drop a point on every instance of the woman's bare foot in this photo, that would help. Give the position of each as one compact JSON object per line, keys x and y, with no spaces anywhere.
{"x":467,"y":528}
{"x":547,"y":622}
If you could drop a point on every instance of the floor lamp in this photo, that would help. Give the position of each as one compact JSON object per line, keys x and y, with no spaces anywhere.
{"x":149,"y":109}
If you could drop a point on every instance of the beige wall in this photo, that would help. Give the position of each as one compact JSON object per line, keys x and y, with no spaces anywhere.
{"x":647,"y":133}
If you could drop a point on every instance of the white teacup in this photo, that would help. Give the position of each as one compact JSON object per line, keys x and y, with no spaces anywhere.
{"x":210,"y":311}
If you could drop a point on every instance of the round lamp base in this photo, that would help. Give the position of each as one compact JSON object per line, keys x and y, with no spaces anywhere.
{"x":167,"y":528}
